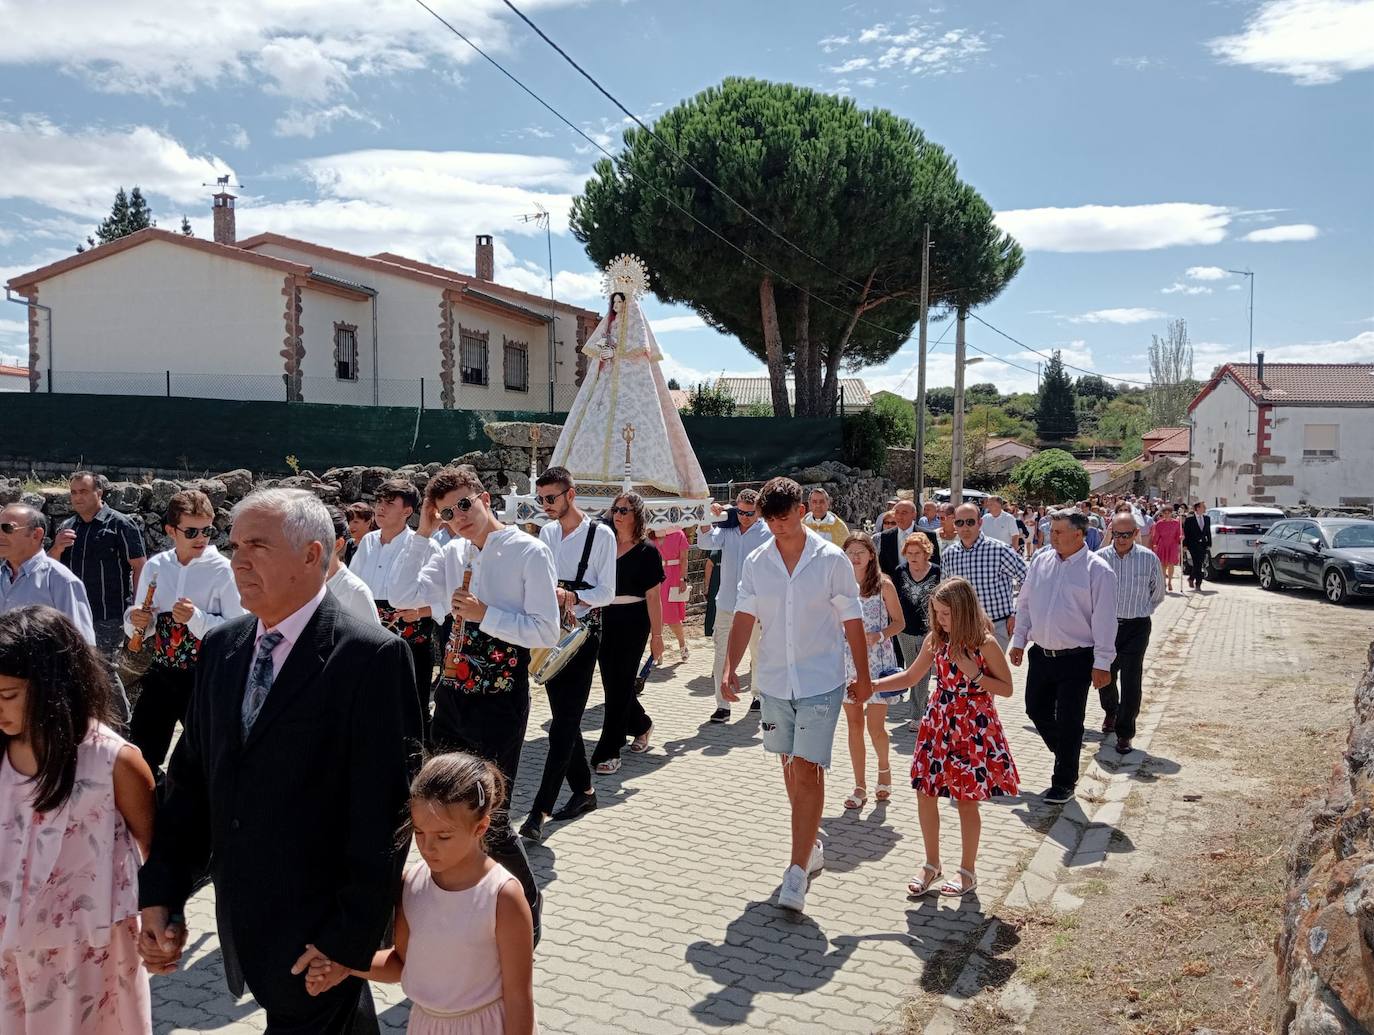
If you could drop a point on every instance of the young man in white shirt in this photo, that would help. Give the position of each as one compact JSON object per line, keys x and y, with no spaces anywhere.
{"x":1000,"y":524}
{"x":800,"y":589}
{"x":350,"y":591}
{"x":482,"y":696}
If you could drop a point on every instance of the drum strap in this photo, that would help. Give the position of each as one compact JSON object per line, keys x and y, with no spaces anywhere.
{"x":577,"y":581}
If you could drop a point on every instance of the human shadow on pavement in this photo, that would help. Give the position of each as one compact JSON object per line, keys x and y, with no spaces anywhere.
{"x":205,"y":975}
{"x":855,"y":837}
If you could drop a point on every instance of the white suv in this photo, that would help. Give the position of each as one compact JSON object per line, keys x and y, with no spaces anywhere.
{"x":1235,"y":533}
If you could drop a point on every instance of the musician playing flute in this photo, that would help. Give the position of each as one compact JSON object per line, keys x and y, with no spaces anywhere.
{"x":510,"y":605}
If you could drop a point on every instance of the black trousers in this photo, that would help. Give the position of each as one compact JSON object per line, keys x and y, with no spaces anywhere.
{"x":492,"y":726}
{"x":346,"y":1009}
{"x":423,"y":656}
{"x":1197,"y":553}
{"x":624,"y":632}
{"x":161,"y":705}
{"x":567,"y":759}
{"x":1056,"y":701}
{"x":712,"y":588}
{"x":1128,"y":671}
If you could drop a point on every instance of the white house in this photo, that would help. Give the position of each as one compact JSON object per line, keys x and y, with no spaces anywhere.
{"x":1284,"y":434}
{"x":271,"y":317}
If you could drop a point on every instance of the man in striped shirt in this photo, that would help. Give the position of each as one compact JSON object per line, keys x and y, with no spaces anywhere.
{"x":1139,"y":590}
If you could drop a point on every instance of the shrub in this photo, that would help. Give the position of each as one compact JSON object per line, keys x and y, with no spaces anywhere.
{"x":1052,"y":477}
{"x":864,"y":445}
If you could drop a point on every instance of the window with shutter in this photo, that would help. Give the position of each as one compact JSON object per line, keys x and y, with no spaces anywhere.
{"x":1319,"y":440}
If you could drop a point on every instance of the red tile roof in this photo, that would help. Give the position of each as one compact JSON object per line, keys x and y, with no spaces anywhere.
{"x":1300,"y":384}
{"x":1166,"y":440}
{"x":6,"y":370}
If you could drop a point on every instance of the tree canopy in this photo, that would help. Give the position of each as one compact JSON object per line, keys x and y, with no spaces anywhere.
{"x":1052,"y":476}
{"x":1055,"y":416}
{"x":854,"y":188}
{"x":128,"y":214}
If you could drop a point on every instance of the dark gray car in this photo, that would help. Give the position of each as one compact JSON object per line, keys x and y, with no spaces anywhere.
{"x":1334,"y":555}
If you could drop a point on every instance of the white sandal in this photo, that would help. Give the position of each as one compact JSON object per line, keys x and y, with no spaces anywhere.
{"x":969,"y":883}
{"x":883,"y":792}
{"x":608,"y":767}
{"x":858,"y":799}
{"x":919,"y":886}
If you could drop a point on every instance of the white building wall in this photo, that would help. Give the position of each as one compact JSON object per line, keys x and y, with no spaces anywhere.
{"x":1223,"y":440}
{"x":319,"y":312}
{"x":120,"y":323}
{"x":1321,"y":481}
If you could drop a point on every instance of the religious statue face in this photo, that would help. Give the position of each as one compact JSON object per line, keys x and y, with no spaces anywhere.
{"x":618,"y":304}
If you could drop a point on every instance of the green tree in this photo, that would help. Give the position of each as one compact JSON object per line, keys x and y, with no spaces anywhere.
{"x":855,"y":187}
{"x":706,"y":400}
{"x":1171,"y":374}
{"x":186,"y":227}
{"x":896,"y":418}
{"x":1092,"y":386}
{"x":1055,"y":417}
{"x":864,"y":445}
{"x":940,"y":401}
{"x":128,"y":214}
{"x":1052,"y":476}
{"x":984,"y":393}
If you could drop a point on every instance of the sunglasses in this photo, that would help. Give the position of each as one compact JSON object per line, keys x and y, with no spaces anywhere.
{"x":550,"y":500}
{"x":965,"y":522}
{"x":1124,"y":535}
{"x":461,"y":507}
{"x":10,"y":527}
{"x":622,"y":510}
{"x":191,"y":533}
{"x":745,"y":513}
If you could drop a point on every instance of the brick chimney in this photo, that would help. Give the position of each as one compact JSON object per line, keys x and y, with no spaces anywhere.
{"x":486,"y":264}
{"x":225,"y":232}
{"x":1259,"y":368}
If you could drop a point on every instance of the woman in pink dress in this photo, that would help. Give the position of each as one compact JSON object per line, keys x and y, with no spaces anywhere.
{"x":78,"y":806}
{"x":674,"y":546}
{"x":1165,"y":540}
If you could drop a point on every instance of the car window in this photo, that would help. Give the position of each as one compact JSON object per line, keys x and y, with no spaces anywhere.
{"x":1348,"y":537}
{"x":1308,"y":530}
{"x":1282,"y":530}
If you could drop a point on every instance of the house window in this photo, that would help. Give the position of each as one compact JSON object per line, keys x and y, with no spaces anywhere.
{"x":346,"y":351}
{"x":472,"y":355}
{"x":517,"y":365}
{"x":1319,"y":440}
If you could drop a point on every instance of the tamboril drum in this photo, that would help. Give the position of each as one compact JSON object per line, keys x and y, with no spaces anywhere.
{"x":547,"y":662}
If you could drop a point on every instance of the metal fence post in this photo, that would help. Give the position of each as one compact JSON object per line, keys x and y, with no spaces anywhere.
{"x":422,"y":393}
{"x":169,"y":384}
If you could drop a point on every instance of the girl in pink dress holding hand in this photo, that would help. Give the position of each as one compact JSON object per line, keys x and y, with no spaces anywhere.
{"x":77,"y":807}
{"x":674,"y":546}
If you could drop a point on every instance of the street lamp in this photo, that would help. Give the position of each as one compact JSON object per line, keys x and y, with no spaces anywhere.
{"x":956,"y":443}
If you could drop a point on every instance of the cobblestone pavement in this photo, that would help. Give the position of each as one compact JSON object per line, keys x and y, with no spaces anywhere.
{"x":658,"y":906}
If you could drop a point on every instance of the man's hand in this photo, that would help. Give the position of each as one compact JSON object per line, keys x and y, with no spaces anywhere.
{"x":1101,"y":677}
{"x":565,"y":599}
{"x":1015,"y":655}
{"x":410,"y":614}
{"x":61,"y":542}
{"x":729,"y":685}
{"x":656,"y":647}
{"x":323,"y":973}
{"x":160,"y":941}
{"x":182,"y":610}
{"x":140,"y":618}
{"x":861,"y":690}
{"x":1011,"y":625}
{"x":717,"y":509}
{"x":468,"y":607}
{"x":429,"y":520}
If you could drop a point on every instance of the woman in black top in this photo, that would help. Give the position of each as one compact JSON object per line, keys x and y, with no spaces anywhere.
{"x":915,"y":579}
{"x":633,"y":618}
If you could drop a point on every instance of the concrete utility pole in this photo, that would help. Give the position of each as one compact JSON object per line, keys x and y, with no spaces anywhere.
{"x":919,"y":479}
{"x":956,"y":444}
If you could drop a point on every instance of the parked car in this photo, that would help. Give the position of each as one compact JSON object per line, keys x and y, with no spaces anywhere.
{"x":1235,"y":533}
{"x":970,"y":496}
{"x":1334,"y":555}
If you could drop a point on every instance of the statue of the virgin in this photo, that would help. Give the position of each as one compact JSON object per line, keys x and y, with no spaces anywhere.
{"x":624,"y":385}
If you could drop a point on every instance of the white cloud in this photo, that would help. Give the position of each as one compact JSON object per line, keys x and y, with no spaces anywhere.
{"x":309,"y":122}
{"x":1311,"y":41}
{"x":14,"y":327}
{"x":1177,"y":287}
{"x":1131,"y":315}
{"x":1107,"y":228}
{"x":1279,"y":234}
{"x":1206,"y":273}
{"x":1235,"y":287}
{"x":1359,"y":349}
{"x":687,"y":376}
{"x":238,"y":137}
{"x":918,"y":49}
{"x":670,"y":324}
{"x":852,"y":65}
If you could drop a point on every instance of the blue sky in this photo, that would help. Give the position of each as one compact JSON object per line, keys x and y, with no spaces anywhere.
{"x":1136,"y":151}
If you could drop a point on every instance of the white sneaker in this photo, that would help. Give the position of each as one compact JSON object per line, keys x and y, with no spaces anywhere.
{"x":817,"y":862}
{"x":792,"y":894}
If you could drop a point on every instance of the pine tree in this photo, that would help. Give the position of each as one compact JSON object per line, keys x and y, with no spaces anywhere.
{"x":1054,"y":416}
{"x":186,"y":227}
{"x":128,"y":214}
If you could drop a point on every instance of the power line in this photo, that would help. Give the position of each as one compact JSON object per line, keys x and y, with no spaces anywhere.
{"x":1085,"y":370}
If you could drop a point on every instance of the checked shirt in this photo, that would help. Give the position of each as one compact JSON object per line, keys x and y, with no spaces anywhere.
{"x":991,"y":567}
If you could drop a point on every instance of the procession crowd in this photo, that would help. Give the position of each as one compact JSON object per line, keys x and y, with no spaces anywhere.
{"x":318,"y":741}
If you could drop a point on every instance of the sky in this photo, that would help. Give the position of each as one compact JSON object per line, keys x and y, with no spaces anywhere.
{"x":1137,"y":152}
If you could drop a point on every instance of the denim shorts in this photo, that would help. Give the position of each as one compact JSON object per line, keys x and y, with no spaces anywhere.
{"x":804,"y":727}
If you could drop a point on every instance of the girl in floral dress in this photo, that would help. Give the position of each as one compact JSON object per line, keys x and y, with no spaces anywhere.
{"x":77,"y":808}
{"x":961,"y":751}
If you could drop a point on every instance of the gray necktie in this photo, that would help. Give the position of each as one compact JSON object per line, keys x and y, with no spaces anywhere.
{"x":259,"y":680}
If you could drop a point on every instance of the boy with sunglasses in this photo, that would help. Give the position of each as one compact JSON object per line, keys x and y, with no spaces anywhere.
{"x":195,"y":591}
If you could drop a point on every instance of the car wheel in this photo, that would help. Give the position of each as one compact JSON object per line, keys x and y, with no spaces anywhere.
{"x":1267,"y":578}
{"x":1333,"y":583}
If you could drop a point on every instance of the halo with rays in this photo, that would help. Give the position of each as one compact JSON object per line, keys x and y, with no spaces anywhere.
{"x":625,"y":273}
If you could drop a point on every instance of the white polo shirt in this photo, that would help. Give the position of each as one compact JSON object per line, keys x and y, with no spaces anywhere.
{"x":801,"y":615}
{"x":1002,"y":527}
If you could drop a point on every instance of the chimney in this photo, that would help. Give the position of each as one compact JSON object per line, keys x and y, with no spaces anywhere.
{"x":486,"y":264}
{"x":1259,"y":368}
{"x":225,"y":232}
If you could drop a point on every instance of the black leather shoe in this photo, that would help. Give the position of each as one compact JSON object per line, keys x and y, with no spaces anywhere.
{"x":576,"y":806}
{"x":755,"y":705}
{"x":720,"y":715}
{"x":1123,"y":746}
{"x":533,"y":828}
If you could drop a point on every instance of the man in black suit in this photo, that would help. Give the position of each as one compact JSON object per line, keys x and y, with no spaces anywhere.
{"x":289,"y":782}
{"x":1197,"y":540}
{"x":891,"y":542}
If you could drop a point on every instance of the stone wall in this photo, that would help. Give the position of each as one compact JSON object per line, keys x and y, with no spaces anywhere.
{"x":1324,"y":979}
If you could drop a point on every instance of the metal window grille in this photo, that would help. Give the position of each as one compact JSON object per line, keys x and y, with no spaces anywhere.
{"x":472,"y":355}
{"x":345,"y":352}
{"x":517,"y":365}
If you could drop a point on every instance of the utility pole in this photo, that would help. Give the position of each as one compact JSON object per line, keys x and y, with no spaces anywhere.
{"x":956,"y":445}
{"x":919,"y":479}
{"x":540,"y":218}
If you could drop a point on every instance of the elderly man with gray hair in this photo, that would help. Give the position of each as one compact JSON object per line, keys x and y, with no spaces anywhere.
{"x":289,"y":780}
{"x":1067,"y":609}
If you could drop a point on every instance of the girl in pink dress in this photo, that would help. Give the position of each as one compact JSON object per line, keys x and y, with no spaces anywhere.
{"x":464,"y":950}
{"x":77,"y":807}
{"x":674,"y":546}
{"x":1165,"y":540}
{"x":961,"y":751}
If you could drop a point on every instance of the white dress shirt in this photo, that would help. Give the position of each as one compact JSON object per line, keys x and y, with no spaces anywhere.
{"x":353,"y":596}
{"x":207,"y":581}
{"x":802,"y":615}
{"x":512,"y":574}
{"x":567,"y":555}
{"x":1068,"y":603}
{"x":290,"y":628}
{"x":375,"y":562}
{"x":1002,"y":527}
{"x":734,"y":547}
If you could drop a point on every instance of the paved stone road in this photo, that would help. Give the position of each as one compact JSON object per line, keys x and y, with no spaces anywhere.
{"x":658,"y":914}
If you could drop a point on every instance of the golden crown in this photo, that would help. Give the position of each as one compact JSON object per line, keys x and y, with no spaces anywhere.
{"x":626,"y":273}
